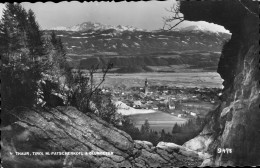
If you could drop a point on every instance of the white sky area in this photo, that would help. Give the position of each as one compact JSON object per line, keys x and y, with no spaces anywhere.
{"x":144,"y":15}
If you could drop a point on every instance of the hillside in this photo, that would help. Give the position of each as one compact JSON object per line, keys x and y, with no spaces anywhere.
{"x":87,"y":45}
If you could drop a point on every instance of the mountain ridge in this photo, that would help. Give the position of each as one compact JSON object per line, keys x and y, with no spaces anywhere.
{"x":95,"y":43}
{"x":85,"y":26}
{"x":198,"y":28}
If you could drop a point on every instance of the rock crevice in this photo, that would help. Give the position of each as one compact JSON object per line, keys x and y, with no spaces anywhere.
{"x":235,"y":123}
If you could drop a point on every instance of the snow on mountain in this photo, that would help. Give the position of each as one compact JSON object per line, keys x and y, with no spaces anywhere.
{"x":88,"y":26}
{"x":60,"y":28}
{"x":120,"y":28}
{"x":129,"y":28}
{"x":198,"y":28}
{"x":194,"y":28}
{"x":96,"y":26}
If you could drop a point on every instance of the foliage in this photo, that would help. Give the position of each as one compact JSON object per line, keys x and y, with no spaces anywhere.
{"x":58,"y":53}
{"x":35,"y":71}
{"x":129,"y":127}
{"x":23,"y":63}
{"x":28,"y":73}
{"x":83,"y":92}
{"x":145,"y":128}
{"x":176,"y":129}
{"x":106,"y":109}
{"x":81,"y":87}
{"x":35,"y":43}
{"x":19,"y":84}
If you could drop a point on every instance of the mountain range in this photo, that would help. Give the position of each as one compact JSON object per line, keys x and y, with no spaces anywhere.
{"x":95,"y":26}
{"x":90,"y":43}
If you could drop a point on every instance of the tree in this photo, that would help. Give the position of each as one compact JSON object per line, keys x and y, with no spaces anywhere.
{"x":82,"y":87}
{"x":146,"y":126}
{"x":4,"y":41}
{"x":153,"y":137}
{"x":22,"y":25}
{"x":106,"y":109}
{"x":57,"y":55}
{"x":19,"y":73}
{"x":35,"y":43}
{"x":176,"y":16}
{"x":145,"y":130}
{"x":176,"y":129}
{"x":128,"y":127}
{"x":11,"y":26}
{"x":163,"y":135}
{"x":54,"y":40}
{"x":19,"y":85}
{"x":199,"y":121}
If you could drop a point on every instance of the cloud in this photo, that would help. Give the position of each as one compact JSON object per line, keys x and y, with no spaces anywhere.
{"x":145,"y":15}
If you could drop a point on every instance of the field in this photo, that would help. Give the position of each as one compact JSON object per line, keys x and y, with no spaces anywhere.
{"x":201,"y":108}
{"x":182,"y":79}
{"x":158,"y":120}
{"x":126,"y":110}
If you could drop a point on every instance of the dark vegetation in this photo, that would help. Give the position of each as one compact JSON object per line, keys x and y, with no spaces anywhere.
{"x":179,"y":135}
{"x":133,"y":69}
{"x":24,"y":58}
{"x":196,"y":60}
{"x":35,"y":72}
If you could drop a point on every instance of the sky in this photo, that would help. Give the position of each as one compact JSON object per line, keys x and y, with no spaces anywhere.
{"x":144,"y":15}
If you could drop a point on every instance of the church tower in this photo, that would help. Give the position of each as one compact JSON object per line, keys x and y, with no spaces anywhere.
{"x":146,"y":87}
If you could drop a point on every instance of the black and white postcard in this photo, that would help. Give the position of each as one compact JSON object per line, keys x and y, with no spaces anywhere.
{"x":145,"y":84}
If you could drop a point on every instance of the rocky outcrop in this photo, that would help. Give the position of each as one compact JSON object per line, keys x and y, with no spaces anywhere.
{"x":65,"y":129}
{"x":235,"y":123}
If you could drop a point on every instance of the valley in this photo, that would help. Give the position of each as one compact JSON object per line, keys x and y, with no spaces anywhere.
{"x":179,"y":79}
{"x":171,"y":97}
{"x":180,"y":67}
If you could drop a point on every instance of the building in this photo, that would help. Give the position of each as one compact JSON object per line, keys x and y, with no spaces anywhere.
{"x":179,"y":115}
{"x":137,"y":104}
{"x":171,"y":104}
{"x":193,"y":114}
{"x":154,"y":107}
{"x":146,"y":87}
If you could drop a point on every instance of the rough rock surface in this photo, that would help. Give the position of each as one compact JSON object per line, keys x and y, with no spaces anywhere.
{"x":67,"y":129}
{"x":235,"y":123}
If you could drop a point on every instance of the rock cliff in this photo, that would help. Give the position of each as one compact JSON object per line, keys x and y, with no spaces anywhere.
{"x":65,"y":129}
{"x":235,"y":123}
